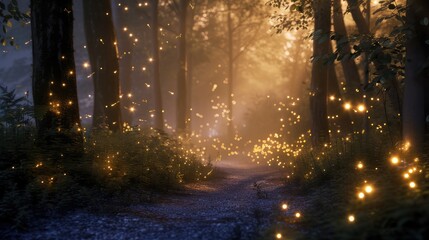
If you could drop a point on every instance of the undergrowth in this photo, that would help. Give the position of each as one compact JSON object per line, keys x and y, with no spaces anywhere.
{"x":356,"y":191}
{"x":125,"y":167}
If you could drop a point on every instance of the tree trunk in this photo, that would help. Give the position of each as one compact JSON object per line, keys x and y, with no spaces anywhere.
{"x":391,"y":82}
{"x":125,"y":47}
{"x":334,"y":107}
{"x":351,"y":73}
{"x":319,"y":78}
{"x":54,"y":81}
{"x":230,"y":122}
{"x":103,"y":57}
{"x":181,"y":76}
{"x":190,"y":73}
{"x":159,"y":115}
{"x":416,"y":77}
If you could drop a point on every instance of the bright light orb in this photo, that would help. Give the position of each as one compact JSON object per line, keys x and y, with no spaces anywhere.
{"x":412,"y":185}
{"x":347,"y":106}
{"x":297,"y":215}
{"x":394,"y":160}
{"x":361,"y":108}
{"x":278,"y":235}
{"x":284,"y":206}
{"x":368,"y":189}
{"x":361,"y":195}
{"x":351,"y":218}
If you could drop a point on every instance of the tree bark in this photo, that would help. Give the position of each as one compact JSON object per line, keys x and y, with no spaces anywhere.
{"x":416,"y":77}
{"x":334,"y":108}
{"x":190,"y":72}
{"x":103,"y":57}
{"x":351,"y":73}
{"x":159,"y":115}
{"x":319,"y":78}
{"x":182,"y":74}
{"x":230,"y":122}
{"x":54,"y":81}
{"x":391,"y":82}
{"x":125,"y":48}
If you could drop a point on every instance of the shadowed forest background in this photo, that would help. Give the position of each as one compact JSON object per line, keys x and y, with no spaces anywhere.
{"x":111,"y":104}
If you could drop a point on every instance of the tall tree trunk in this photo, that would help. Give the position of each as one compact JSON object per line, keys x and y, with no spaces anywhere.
{"x":159,"y":115}
{"x":103,"y":57}
{"x":416,"y":76}
{"x":125,"y":48}
{"x":391,"y":82}
{"x":319,"y":78}
{"x":351,"y":73}
{"x":190,"y":75}
{"x":230,"y":122}
{"x":54,"y":81}
{"x":182,"y":74}
{"x":334,"y":108}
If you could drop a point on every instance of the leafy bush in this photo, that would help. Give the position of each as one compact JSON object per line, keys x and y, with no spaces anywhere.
{"x":144,"y":158}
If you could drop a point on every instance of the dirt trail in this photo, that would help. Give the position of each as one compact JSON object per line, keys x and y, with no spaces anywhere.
{"x":226,"y":208}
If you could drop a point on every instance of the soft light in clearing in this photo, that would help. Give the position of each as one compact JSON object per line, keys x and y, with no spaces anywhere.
{"x":278,"y":235}
{"x":412,"y":185}
{"x":351,"y":218}
{"x":284,"y":206}
{"x":394,"y":160}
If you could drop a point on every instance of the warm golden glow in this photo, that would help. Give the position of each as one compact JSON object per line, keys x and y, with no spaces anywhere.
{"x":368,"y":189}
{"x":347,"y":106}
{"x":351,"y":218}
{"x":394,"y":160}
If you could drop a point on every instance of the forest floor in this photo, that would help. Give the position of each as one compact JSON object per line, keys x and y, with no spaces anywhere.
{"x":226,"y":207}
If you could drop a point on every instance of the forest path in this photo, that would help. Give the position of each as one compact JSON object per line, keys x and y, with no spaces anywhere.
{"x":225,"y":208}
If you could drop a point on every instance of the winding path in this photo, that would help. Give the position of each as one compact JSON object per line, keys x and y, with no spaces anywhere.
{"x":226,"y":208}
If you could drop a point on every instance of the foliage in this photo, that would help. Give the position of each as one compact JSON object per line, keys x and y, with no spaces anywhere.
{"x":143,"y":158}
{"x":329,"y":188}
{"x":38,"y":180}
{"x":8,"y":12}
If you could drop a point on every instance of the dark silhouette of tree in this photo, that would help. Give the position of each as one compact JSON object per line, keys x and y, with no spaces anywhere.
{"x":159,"y":116}
{"x":182,"y":72}
{"x":319,"y":78}
{"x":103,"y":58}
{"x":415,"y":109}
{"x":54,"y":80}
{"x":125,"y":48}
{"x":351,"y":73}
{"x":378,"y":58}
